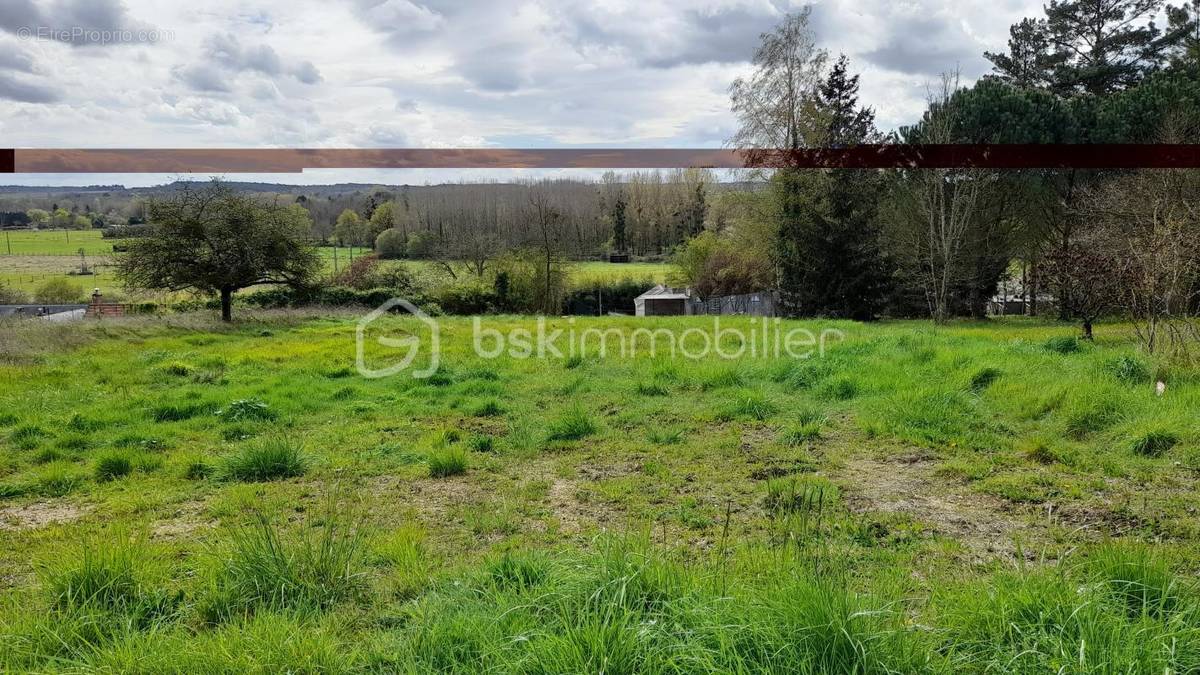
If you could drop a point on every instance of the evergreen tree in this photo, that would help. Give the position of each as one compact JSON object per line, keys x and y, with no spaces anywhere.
{"x":1091,"y":47}
{"x":829,"y":257}
{"x":618,"y":221}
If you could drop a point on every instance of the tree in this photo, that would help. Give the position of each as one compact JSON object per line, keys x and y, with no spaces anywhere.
{"x":548,"y":219}
{"x":618,"y":224}
{"x":1145,"y":222}
{"x":386,"y":216}
{"x":1028,"y":63}
{"x":350,"y":229}
{"x":38,"y":217}
{"x":1185,"y":22}
{"x":1087,"y":46}
{"x":213,"y":240}
{"x":938,"y":206}
{"x":1089,"y":273}
{"x":390,"y":244}
{"x":827,"y":246}
{"x":775,"y":104}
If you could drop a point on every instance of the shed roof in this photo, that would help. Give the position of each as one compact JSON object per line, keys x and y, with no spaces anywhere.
{"x":661,"y":292}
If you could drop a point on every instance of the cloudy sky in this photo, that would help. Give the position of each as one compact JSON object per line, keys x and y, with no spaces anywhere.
{"x":439,"y":73}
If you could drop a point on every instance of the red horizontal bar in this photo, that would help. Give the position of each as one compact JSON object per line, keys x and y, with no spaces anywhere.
{"x":293,"y":160}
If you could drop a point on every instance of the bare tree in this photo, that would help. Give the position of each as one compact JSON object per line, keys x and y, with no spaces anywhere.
{"x":776,"y":105}
{"x":1149,"y":222}
{"x":941,"y":205}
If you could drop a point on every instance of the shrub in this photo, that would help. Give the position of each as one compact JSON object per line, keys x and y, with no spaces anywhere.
{"x":473,"y":297}
{"x":271,"y":458}
{"x":571,"y":425}
{"x":58,"y":292}
{"x":390,"y":244}
{"x":447,"y":461}
{"x":1154,"y":443}
{"x":12,"y":296}
{"x":262,"y":569}
{"x":600,"y":296}
{"x":113,"y":465}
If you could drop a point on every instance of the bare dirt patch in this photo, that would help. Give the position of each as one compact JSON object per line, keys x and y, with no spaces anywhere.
{"x":986,"y":526}
{"x":39,"y":514}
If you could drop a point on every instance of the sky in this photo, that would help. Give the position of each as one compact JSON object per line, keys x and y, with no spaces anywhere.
{"x":439,"y":73}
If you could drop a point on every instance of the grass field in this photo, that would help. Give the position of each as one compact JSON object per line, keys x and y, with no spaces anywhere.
{"x":43,"y":255}
{"x":53,"y":242}
{"x":182,"y":496}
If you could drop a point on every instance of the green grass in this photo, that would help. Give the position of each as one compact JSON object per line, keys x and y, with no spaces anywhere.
{"x":447,"y":461}
{"x":919,"y":499}
{"x":271,"y":458}
{"x":54,"y":242}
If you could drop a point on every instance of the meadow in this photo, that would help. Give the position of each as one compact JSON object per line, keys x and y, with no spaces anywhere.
{"x":39,"y":256}
{"x":178,"y":495}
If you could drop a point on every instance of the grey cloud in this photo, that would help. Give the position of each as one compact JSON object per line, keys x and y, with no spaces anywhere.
{"x":80,"y":23}
{"x":496,"y":70}
{"x":202,"y":77}
{"x":27,"y":92}
{"x":13,"y":58}
{"x":691,"y":36}
{"x":924,"y":46}
{"x":400,"y":18}
{"x":226,"y":50}
{"x":307,"y":73}
{"x":225,"y":57}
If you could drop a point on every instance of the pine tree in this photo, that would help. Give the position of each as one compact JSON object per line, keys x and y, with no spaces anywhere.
{"x":829,"y":257}
{"x":618,"y":220}
{"x":1092,"y":47}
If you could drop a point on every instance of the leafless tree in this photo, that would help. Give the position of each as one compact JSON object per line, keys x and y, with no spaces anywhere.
{"x":940,"y":206}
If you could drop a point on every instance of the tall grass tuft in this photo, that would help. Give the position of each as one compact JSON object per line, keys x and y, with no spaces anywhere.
{"x":573,"y":424}
{"x":751,"y":405}
{"x":271,"y":458}
{"x":1138,"y":580}
{"x":450,"y":460}
{"x":113,"y":465}
{"x":1154,"y":443}
{"x":263,"y":568}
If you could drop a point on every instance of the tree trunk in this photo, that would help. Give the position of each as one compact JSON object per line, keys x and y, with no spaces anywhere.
{"x":227,"y":304}
{"x":1087,"y":330}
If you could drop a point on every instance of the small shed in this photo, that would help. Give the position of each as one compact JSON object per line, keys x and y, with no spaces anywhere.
{"x":664,"y":301}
